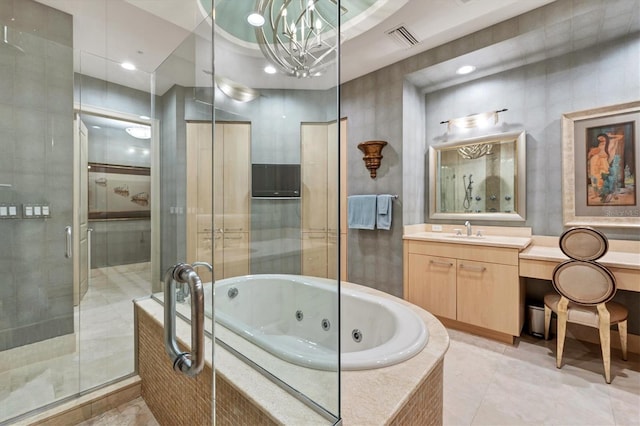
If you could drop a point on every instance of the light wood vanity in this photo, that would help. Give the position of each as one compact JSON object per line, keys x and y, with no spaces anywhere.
{"x":477,"y":284}
{"x":470,"y":283}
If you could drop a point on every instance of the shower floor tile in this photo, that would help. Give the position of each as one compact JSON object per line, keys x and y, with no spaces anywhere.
{"x":104,"y":347}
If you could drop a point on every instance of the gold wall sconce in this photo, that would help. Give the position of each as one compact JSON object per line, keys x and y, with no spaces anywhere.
{"x":372,"y":155}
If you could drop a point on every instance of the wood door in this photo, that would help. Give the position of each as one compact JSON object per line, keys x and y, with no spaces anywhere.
{"x":333,"y":148}
{"x":236,"y":169}
{"x":236,"y":254}
{"x":313,"y":153}
{"x":199,"y":196}
{"x":488,"y":295}
{"x":314,"y":254}
{"x":432,"y":284}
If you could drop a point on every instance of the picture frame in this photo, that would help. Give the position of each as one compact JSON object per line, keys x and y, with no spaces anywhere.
{"x":600,"y":162}
{"x":118,"y":192}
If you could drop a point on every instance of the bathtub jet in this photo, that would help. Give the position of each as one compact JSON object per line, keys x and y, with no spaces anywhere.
{"x":293,"y":317}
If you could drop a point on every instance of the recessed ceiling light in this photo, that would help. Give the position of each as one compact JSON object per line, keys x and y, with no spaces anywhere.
{"x":96,"y":127}
{"x":270,"y":69}
{"x":143,"y":132}
{"x":465,"y":69}
{"x":128,"y":66}
{"x":144,"y":117}
{"x":255,"y":19}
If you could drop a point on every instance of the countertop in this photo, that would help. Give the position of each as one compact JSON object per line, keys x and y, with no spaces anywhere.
{"x":619,"y":256}
{"x":516,"y":242}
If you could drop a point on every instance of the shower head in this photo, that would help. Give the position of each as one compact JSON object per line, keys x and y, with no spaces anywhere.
{"x":7,"y":41}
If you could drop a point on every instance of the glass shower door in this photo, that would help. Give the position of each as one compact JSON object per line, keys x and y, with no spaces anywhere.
{"x":38,"y":359}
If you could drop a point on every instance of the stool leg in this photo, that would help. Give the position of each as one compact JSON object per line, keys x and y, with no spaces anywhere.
{"x":622,"y":329}
{"x":547,"y":321}
{"x":604,"y":323}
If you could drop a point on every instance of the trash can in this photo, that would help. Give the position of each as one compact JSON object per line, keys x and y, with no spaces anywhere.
{"x":535,"y":320}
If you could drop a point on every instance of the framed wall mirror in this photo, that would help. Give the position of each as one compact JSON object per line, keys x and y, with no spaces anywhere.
{"x":483,"y":178}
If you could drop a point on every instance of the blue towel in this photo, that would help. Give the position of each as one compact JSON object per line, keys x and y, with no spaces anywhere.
{"x":384,"y":211}
{"x":361,"y":211}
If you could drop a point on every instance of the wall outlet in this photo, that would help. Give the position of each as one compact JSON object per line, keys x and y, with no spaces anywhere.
{"x":436,"y":228}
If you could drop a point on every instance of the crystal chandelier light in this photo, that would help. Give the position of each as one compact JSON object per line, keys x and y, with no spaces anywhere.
{"x":300,"y":37}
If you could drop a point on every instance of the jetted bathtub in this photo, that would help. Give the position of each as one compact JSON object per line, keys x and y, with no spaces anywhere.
{"x":295,"y":318}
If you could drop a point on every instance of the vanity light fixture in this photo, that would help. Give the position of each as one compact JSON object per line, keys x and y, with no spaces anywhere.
{"x":473,"y":120}
{"x":142,"y":132}
{"x":235,"y":90}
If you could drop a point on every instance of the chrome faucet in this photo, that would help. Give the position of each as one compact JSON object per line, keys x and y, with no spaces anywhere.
{"x":468,"y":225}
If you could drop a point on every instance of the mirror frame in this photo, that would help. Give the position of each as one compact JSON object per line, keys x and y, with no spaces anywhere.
{"x":520,"y":209}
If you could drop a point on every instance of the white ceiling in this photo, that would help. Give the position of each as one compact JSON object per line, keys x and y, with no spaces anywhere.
{"x":146,"y":32}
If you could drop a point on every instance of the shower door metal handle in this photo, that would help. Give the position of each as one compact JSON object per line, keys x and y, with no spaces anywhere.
{"x":68,"y":252}
{"x":188,"y":363}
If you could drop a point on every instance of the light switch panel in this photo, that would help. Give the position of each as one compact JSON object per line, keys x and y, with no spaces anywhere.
{"x":37,"y":210}
{"x":45,"y":211}
{"x":28,"y":211}
{"x":4,"y":211}
{"x":13,"y":211}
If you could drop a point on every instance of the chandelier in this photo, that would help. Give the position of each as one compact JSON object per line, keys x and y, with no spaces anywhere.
{"x":299,"y":36}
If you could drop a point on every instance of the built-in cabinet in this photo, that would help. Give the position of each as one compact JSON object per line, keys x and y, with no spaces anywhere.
{"x":322,"y":172}
{"x":218,"y":187}
{"x":471,"y":286}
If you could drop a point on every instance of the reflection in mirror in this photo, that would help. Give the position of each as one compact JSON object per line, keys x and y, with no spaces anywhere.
{"x":482,"y":177}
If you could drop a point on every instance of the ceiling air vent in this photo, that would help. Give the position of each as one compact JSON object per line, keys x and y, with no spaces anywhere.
{"x":403,"y":36}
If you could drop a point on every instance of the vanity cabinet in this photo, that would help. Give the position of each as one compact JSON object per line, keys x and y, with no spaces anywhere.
{"x":472,"y":287}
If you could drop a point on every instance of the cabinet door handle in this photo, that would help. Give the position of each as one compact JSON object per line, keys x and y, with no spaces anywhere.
{"x":437,"y":263}
{"x":232,"y":229}
{"x":473,"y":268}
{"x":227,"y":237}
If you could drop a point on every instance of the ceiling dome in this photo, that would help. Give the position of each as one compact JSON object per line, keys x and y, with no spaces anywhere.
{"x":358,"y":16}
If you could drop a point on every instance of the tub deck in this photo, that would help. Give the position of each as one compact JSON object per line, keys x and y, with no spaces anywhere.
{"x":409,"y":393}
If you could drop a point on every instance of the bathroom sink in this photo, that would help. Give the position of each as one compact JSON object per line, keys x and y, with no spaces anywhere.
{"x":465,"y":237}
{"x":484,"y":240}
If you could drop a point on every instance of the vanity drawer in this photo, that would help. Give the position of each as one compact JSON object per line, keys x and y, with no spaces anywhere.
{"x":480,"y":253}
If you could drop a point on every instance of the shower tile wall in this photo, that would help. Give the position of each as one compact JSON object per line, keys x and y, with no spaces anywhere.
{"x":171,"y":109}
{"x":36,"y":106}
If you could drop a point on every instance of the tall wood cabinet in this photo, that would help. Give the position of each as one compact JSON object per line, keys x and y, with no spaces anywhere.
{"x":321,"y":175}
{"x":218,"y":187}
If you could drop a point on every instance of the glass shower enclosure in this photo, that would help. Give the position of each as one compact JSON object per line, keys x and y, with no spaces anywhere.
{"x":224,"y":122}
{"x":110,"y":177}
